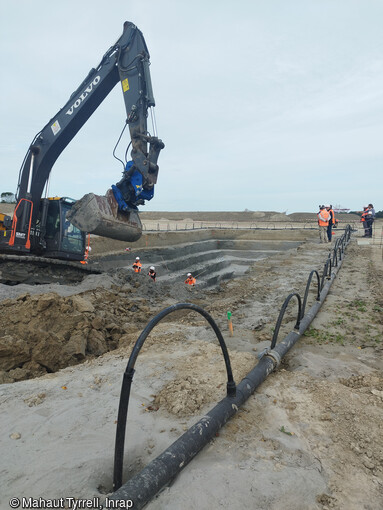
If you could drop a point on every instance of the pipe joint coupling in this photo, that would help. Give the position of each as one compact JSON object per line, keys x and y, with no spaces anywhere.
{"x":273,"y":354}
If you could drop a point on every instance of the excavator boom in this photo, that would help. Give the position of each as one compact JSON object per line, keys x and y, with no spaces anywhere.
{"x":115,"y":215}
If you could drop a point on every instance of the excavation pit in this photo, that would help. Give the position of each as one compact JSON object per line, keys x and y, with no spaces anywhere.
{"x":211,"y":257}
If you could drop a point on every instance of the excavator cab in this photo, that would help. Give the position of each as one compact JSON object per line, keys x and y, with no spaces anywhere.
{"x":47,"y":233}
{"x":63,"y":240}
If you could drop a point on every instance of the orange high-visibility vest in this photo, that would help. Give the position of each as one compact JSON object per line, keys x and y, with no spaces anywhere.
{"x":137,"y":267}
{"x":323,"y":218}
{"x":190,"y":280}
{"x":333,"y":216}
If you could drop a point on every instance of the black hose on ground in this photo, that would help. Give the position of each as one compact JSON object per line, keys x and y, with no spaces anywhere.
{"x":314,"y":271}
{"x":144,"y":486}
{"x":129,"y":372}
{"x":326,"y":271}
{"x":334,"y":260}
{"x":282,"y":313}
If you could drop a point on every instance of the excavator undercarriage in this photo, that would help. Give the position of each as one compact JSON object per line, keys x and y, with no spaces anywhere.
{"x":33,"y":270}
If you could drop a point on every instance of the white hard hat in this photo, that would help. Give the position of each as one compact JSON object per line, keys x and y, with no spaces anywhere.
{"x":327,"y":206}
{"x":137,"y":258}
{"x":152,"y":268}
{"x":189,"y":274}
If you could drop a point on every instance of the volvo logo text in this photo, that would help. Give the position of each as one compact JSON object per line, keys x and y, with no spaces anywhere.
{"x":86,"y":93}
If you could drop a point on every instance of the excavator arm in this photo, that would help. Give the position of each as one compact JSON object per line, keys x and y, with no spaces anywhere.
{"x":126,"y":61}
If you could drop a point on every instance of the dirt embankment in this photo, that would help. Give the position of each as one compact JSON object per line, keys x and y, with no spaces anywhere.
{"x":43,"y":333}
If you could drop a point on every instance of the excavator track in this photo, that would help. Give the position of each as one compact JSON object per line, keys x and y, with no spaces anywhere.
{"x":33,"y":270}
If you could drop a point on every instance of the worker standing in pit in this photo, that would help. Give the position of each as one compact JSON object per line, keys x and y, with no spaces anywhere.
{"x":152,"y":273}
{"x":137,"y":266}
{"x":190,"y":280}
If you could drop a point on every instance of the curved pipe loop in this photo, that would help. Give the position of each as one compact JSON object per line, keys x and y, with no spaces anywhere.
{"x":128,"y":378}
{"x":281,"y":315}
{"x":326,"y":272}
{"x":334,"y":259}
{"x":338,"y":243}
{"x":314,"y":271}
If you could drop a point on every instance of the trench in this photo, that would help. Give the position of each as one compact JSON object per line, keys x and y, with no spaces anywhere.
{"x":210,"y":255}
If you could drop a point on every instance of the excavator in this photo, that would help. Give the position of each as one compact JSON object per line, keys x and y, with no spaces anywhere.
{"x":47,"y":230}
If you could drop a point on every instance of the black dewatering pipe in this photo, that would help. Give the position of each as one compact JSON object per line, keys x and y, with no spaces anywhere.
{"x":145,"y":485}
{"x":129,"y":373}
{"x":141,"y":488}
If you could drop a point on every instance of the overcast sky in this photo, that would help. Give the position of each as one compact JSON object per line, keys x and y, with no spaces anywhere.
{"x":262,"y":104}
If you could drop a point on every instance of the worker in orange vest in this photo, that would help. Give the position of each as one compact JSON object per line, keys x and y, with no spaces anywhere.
{"x":88,"y":249}
{"x":364,"y":220}
{"x":323,"y":221}
{"x":190,"y":280}
{"x":331,"y":222}
{"x":137,"y":266}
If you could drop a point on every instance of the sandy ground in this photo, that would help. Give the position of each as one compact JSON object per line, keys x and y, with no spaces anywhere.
{"x":309,"y":438}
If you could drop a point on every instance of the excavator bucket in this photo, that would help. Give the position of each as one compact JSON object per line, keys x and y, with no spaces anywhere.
{"x":100,"y":215}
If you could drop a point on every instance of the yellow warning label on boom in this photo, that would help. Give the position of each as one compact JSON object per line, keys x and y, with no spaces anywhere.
{"x":125,"y":85}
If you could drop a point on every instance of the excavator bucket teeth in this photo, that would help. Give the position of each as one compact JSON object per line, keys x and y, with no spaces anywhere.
{"x":100,"y":215}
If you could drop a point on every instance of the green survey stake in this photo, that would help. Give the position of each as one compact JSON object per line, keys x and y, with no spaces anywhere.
{"x":229,"y":315}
